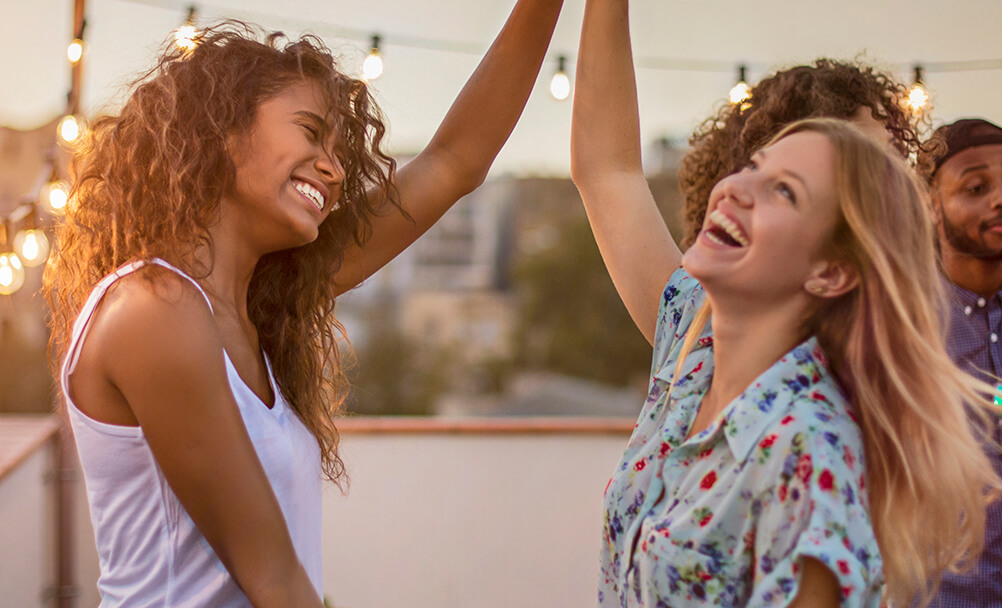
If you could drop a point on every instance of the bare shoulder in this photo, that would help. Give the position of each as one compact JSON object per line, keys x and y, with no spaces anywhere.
{"x":147,"y":306}
{"x":151,"y":324}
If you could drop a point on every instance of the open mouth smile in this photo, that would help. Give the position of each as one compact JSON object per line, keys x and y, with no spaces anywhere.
{"x":722,"y":230}
{"x":310,"y":193}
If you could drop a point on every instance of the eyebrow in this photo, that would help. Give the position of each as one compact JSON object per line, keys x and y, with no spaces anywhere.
{"x":793,"y":174}
{"x":310,"y":116}
{"x":981,"y":167}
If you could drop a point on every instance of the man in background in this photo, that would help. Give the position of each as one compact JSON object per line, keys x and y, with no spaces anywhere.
{"x":964,"y":168}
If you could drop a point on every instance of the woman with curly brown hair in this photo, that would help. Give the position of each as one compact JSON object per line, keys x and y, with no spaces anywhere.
{"x":874,"y":101}
{"x":242,"y":187}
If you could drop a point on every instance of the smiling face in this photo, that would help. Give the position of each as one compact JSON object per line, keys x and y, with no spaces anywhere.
{"x":768,"y":226}
{"x":287,"y":179}
{"x":968,"y":203}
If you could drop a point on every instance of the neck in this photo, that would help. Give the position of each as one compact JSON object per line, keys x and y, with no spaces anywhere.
{"x":232,"y":267}
{"x":979,"y":275}
{"x":748,"y":340}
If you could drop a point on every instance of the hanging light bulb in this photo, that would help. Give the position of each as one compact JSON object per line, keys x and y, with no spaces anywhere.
{"x":741,"y":91}
{"x":55,"y":195}
{"x":918,"y":97}
{"x":74,"y":52}
{"x":70,"y":129}
{"x":560,"y":84}
{"x":31,"y":244}
{"x":11,"y":269}
{"x":11,"y":273}
{"x":372,"y":67}
{"x":186,"y":36}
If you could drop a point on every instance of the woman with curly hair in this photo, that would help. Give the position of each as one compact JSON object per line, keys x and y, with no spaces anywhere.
{"x":874,"y":101}
{"x":240,"y":190}
{"x":804,"y":423}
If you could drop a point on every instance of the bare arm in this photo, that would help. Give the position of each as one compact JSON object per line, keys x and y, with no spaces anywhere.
{"x":459,"y":155}
{"x":606,"y":166}
{"x":163,"y":354}
{"x":818,"y":587}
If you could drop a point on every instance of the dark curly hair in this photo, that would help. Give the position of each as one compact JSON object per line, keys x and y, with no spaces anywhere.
{"x":828,"y":89}
{"x":149,"y":183}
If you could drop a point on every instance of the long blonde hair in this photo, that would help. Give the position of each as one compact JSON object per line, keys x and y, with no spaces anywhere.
{"x":925,"y":464}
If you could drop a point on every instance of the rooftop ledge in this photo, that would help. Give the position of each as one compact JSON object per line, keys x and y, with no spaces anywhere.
{"x":533,"y":425}
{"x":21,"y":435}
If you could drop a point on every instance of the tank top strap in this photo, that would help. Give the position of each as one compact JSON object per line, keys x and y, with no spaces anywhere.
{"x":82,"y":322}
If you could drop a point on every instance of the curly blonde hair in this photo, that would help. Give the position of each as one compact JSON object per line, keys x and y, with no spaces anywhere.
{"x":149,"y":181}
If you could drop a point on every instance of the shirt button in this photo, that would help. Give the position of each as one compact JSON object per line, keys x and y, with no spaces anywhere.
{"x":967,"y":310}
{"x":981,"y":302}
{"x":994,"y":337}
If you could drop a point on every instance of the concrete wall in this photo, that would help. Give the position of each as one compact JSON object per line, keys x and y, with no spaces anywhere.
{"x":454,"y":518}
{"x":455,"y":521}
{"x":27,"y":536}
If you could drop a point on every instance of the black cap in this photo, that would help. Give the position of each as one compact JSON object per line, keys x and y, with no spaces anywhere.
{"x":963,"y":134}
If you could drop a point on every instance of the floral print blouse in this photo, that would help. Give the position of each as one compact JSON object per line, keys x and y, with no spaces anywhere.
{"x":724,"y":518}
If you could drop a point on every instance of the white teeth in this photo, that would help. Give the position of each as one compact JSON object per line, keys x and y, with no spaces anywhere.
{"x":310,"y":192}
{"x":716,"y":239}
{"x":721,"y":220}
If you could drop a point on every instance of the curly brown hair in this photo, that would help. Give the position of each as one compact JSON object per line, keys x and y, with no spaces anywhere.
{"x":149,"y":183}
{"x":827,"y":89}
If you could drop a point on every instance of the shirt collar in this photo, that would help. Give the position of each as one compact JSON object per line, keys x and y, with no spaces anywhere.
{"x":761,"y":405}
{"x":965,"y":297}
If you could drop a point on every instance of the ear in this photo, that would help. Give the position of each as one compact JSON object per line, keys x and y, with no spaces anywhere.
{"x":936,"y":204}
{"x":234,"y":144}
{"x":831,"y":279}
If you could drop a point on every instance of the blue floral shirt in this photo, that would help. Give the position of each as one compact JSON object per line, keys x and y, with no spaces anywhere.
{"x":725,"y":517}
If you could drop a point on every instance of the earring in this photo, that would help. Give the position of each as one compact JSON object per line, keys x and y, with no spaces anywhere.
{"x":816,"y":289}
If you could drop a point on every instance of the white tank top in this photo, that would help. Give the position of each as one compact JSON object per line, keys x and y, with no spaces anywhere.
{"x":150,"y":551}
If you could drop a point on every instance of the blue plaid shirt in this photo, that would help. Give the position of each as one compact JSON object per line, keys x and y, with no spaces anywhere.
{"x":975,"y":343}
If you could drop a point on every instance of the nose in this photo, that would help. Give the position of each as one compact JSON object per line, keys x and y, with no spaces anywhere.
{"x":996,"y":196}
{"x":738,"y":187}
{"x":330,"y":167}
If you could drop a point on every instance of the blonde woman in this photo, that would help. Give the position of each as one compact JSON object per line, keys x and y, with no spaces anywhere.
{"x":797,"y":444}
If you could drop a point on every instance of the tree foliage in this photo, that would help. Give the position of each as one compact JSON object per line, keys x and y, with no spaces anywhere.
{"x":571,"y":319}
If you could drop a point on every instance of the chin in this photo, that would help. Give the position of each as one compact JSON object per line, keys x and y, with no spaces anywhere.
{"x":300,"y":239}
{"x":695,"y":263}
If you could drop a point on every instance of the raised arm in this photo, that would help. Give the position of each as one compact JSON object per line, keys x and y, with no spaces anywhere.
{"x":459,"y":155}
{"x":606,"y":166}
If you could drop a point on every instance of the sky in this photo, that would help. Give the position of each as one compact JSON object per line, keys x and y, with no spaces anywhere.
{"x":708,"y":37}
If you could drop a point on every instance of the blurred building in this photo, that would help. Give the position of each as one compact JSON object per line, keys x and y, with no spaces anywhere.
{"x":451,"y":295}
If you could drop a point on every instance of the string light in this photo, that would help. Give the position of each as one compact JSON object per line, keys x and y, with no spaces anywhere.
{"x":372,"y":67}
{"x":11,"y":268}
{"x":70,"y":129}
{"x":55,"y":196}
{"x":918,"y":97}
{"x":560,"y":84}
{"x":741,"y":91}
{"x":186,"y":36}
{"x":75,"y":49}
{"x":11,"y":273}
{"x":74,"y":52}
{"x":31,"y":244}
